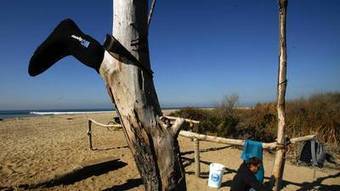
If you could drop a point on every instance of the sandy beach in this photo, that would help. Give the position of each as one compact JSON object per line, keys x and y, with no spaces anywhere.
{"x":52,"y":153}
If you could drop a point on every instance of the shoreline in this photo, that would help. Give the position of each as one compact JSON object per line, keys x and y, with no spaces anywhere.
{"x":5,"y":115}
{"x":12,"y":114}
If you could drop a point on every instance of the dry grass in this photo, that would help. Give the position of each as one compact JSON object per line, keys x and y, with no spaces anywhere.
{"x":318,"y":114}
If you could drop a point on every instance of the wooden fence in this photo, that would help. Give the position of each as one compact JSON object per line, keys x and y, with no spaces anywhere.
{"x":196,"y":137}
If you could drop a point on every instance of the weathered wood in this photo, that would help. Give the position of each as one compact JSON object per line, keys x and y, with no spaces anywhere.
{"x":196,"y":136}
{"x":192,"y":135}
{"x":197,"y":157}
{"x":210,"y":138}
{"x":279,"y":163}
{"x":186,"y":120}
{"x":104,"y":125}
{"x":89,"y":133}
{"x":153,"y":143}
{"x":300,"y":139}
{"x":237,"y":142}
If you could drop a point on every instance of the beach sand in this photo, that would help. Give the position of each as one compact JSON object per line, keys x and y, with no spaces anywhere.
{"x":52,"y":153}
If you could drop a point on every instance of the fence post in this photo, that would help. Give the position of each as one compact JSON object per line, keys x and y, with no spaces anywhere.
{"x":280,"y":154}
{"x":197,"y":157}
{"x":89,"y":133}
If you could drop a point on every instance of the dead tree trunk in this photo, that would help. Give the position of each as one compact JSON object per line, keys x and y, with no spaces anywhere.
{"x":281,"y":92}
{"x":153,"y":143}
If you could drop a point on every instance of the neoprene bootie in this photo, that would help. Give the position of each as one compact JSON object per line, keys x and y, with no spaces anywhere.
{"x":66,"y":39}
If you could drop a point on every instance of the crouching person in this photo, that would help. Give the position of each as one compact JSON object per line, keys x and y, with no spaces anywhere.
{"x":245,"y":178}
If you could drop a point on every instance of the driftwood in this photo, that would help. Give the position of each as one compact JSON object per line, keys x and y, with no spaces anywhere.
{"x":238,"y":142}
{"x":89,"y":132}
{"x":117,"y":126}
{"x":86,"y":168}
{"x":214,"y":139}
{"x":209,"y":138}
{"x":186,"y":120}
{"x":281,"y":92}
{"x":300,"y":139}
{"x":200,"y":137}
{"x":197,"y":157}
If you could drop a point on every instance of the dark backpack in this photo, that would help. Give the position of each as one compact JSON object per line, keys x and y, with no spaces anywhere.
{"x":312,"y":153}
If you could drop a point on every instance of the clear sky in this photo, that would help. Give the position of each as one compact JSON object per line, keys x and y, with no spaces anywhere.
{"x":200,"y":51}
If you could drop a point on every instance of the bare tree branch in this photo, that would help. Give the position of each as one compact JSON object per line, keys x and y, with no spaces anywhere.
{"x":176,"y":127}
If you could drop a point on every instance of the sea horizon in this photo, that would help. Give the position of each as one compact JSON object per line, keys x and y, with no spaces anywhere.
{"x":5,"y":114}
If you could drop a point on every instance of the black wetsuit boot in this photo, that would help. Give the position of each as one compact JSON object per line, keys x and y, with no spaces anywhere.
{"x":66,"y":39}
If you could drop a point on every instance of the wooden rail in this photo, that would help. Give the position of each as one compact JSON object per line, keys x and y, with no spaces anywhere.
{"x":89,"y":132}
{"x":200,"y":137}
{"x":237,"y":142}
{"x":105,"y":125}
{"x":186,"y":120}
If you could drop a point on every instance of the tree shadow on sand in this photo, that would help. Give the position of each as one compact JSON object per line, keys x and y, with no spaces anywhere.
{"x":188,"y":161}
{"x":131,"y":183}
{"x":110,"y":148}
{"x":206,"y":150}
{"x":78,"y":174}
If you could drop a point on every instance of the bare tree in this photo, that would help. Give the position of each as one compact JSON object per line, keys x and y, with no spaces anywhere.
{"x":152,"y":142}
{"x":229,"y":103}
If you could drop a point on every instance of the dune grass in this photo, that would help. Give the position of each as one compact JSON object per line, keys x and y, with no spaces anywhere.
{"x":318,"y":114}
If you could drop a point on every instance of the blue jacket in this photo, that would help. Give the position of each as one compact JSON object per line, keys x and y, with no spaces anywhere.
{"x":253,"y":149}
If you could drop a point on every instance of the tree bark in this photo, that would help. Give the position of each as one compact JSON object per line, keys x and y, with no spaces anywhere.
{"x":152,"y":142}
{"x":281,"y":92}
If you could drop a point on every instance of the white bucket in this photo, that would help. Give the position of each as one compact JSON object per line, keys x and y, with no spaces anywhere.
{"x":215,"y":175}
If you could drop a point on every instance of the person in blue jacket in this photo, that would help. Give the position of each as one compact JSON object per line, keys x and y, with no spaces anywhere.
{"x":245,"y":178}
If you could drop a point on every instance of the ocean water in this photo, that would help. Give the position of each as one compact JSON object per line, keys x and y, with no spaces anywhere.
{"x":32,"y":113}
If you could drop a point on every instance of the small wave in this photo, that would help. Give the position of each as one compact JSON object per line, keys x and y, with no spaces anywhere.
{"x":66,"y":112}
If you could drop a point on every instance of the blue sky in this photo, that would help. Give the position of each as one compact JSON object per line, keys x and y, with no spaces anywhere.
{"x":200,"y":51}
